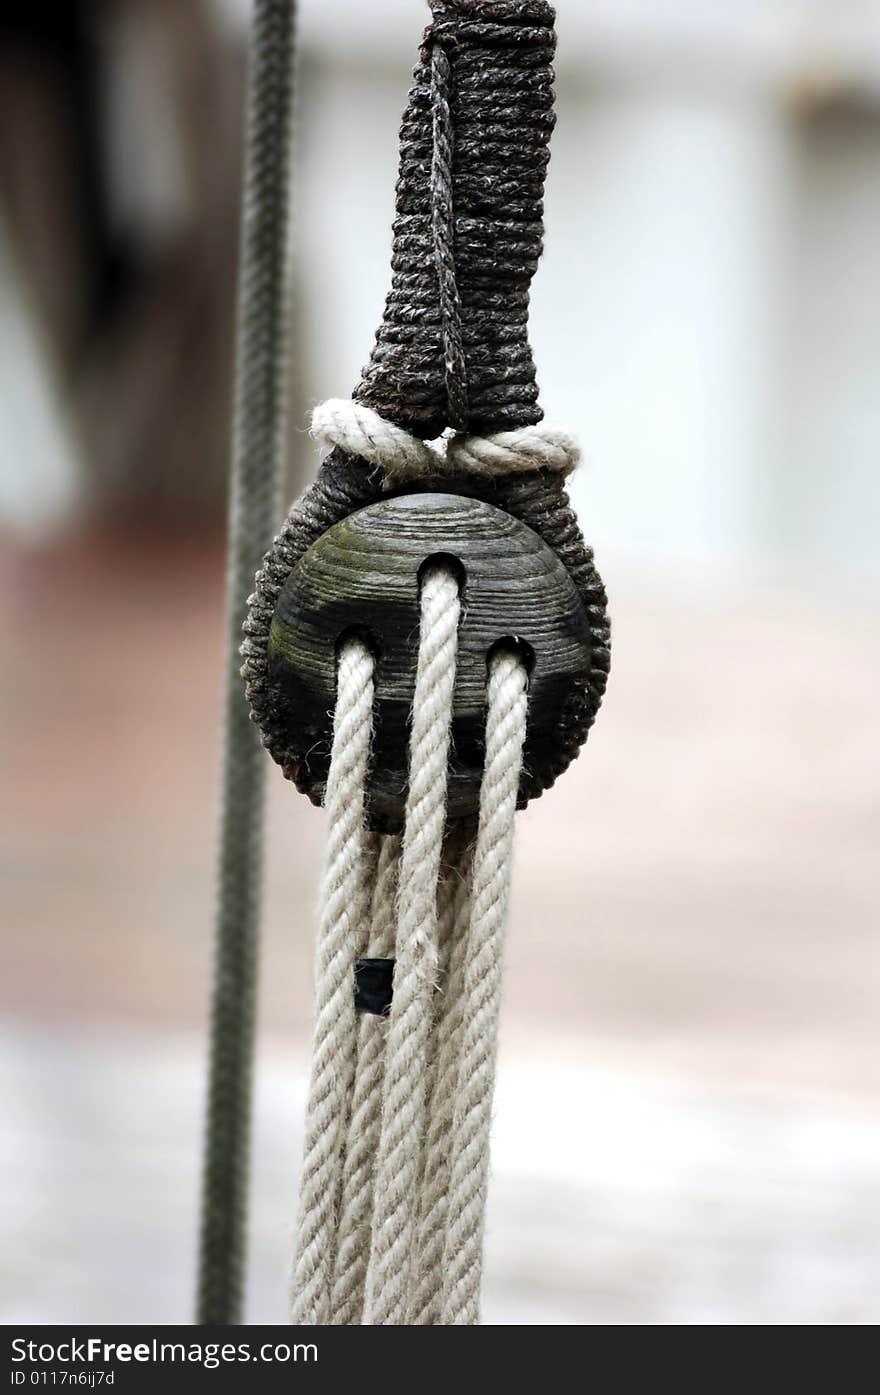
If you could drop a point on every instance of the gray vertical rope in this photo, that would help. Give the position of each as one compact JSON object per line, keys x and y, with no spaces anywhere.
{"x":255,"y":479}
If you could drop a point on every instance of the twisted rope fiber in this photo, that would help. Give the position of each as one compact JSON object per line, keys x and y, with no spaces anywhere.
{"x":402,"y":457}
{"x":481,"y":993}
{"x":254,"y":501}
{"x":424,"y":1304}
{"x":348,"y":848}
{"x":356,"y":1205}
{"x":448,"y":892}
{"x":404,"y":1106}
{"x":342,"y":936}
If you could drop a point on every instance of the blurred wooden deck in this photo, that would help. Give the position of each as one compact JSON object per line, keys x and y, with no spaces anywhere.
{"x":693,"y":957}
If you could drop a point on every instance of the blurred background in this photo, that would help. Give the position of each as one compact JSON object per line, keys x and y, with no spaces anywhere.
{"x":687,"y":1119}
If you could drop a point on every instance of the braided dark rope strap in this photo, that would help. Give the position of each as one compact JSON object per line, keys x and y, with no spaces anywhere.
{"x":453,"y":346}
{"x":453,"y":349}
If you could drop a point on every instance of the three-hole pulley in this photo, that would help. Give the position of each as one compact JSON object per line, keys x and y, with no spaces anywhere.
{"x":362,"y":576}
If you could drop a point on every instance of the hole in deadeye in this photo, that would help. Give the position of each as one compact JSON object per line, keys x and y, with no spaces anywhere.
{"x":444,"y":561}
{"x":364,"y":633}
{"x":513,"y":644}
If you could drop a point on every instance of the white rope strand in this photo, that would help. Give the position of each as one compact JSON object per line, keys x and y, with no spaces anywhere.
{"x":396,"y":1157}
{"x":357,"y":429}
{"x":356,"y":1205}
{"x":409,"y":1031}
{"x":342,"y":937}
{"x":540,"y":447}
{"x":505,"y":734}
{"x":424,"y":1308}
{"x":340,"y":421}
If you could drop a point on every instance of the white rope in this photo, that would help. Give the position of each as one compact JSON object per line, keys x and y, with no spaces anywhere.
{"x":341,"y":421}
{"x":481,"y":994}
{"x":356,"y":1205}
{"x":396,"y":1157}
{"x":424,"y":1306}
{"x":342,"y":936}
{"x":409,"y":1030}
{"x":361,"y":431}
{"x":538,"y":447}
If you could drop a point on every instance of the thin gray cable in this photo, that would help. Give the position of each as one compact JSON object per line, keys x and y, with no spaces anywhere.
{"x":254,"y":505}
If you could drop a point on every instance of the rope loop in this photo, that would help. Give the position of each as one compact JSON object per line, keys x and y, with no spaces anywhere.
{"x":360,"y":431}
{"x":453,"y":350}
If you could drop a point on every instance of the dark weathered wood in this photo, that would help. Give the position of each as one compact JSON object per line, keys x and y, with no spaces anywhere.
{"x":363,"y":575}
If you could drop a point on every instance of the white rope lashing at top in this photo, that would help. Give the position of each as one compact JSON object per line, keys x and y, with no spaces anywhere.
{"x":360,"y":431}
{"x":394,"y":1177}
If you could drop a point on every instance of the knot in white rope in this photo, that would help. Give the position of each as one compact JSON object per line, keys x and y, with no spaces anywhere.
{"x":360,"y":431}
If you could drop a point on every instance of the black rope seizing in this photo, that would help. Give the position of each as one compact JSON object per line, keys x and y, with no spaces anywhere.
{"x":453,"y":346}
